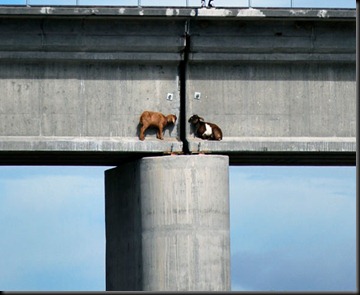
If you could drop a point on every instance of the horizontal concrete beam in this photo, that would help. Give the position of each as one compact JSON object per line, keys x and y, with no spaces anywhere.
{"x":90,"y":40}
{"x":192,"y":12}
{"x":88,"y":144}
{"x":272,"y":40}
{"x":92,"y":57}
{"x":239,"y":58}
{"x":113,"y":152}
{"x":274,"y":144}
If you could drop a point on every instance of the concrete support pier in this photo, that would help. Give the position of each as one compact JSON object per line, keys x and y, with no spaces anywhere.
{"x":167,"y":224}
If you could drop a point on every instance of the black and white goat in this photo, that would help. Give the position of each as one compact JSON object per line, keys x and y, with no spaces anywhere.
{"x":205,"y":130}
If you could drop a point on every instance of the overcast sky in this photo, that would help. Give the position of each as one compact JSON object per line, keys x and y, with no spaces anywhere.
{"x":292,"y":228}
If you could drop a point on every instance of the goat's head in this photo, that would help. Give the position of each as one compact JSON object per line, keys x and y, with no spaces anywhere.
{"x":194,"y":119}
{"x":171,"y":118}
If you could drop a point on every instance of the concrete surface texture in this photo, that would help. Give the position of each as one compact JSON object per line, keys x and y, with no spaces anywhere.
{"x":169,"y":231}
{"x":274,"y":85}
{"x":76,"y":79}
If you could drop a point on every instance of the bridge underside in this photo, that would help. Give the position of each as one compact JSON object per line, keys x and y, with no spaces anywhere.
{"x":33,"y":158}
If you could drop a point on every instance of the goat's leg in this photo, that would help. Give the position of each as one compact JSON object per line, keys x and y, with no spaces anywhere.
{"x":204,"y":136}
{"x":159,"y":134}
{"x":142,"y":132}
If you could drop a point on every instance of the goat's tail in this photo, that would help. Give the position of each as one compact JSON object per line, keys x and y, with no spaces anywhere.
{"x":142,"y":117}
{"x":217,"y":133}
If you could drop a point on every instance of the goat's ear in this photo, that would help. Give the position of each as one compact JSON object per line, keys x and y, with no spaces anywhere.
{"x":201,"y":119}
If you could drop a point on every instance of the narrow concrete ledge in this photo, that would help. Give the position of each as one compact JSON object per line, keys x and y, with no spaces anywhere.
{"x":273,"y":144}
{"x":88,"y":144}
{"x":114,"y":152}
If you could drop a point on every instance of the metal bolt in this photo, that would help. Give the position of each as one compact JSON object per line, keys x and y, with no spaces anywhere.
{"x":197,"y":95}
{"x":170,"y":96}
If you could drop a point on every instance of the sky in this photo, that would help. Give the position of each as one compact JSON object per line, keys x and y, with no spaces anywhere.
{"x":291,"y":228}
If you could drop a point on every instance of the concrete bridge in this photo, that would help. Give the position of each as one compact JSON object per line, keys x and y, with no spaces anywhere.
{"x":279,"y":82}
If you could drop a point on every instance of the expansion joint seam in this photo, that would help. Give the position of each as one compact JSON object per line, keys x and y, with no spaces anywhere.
{"x":182,"y":78}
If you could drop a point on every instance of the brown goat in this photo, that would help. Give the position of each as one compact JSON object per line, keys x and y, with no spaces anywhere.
{"x":157,"y":120}
{"x":205,"y":130}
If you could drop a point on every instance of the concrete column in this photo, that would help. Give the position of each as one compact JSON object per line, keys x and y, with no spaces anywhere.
{"x":167,"y":224}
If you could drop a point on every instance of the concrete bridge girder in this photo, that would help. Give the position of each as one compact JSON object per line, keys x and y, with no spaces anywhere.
{"x":75,"y":80}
